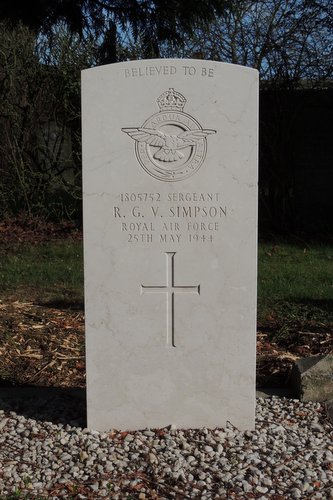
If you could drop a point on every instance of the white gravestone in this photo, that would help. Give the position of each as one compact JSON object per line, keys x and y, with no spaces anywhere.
{"x":170,"y":216}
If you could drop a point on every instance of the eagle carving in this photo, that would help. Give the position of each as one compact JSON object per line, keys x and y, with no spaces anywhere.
{"x":169,"y":145}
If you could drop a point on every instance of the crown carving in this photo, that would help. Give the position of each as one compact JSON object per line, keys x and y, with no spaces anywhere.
{"x":171,"y":100}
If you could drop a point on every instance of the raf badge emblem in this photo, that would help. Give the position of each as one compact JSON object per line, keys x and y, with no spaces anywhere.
{"x":170,"y":145}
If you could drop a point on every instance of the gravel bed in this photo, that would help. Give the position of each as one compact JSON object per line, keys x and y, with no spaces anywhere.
{"x":288,"y":455}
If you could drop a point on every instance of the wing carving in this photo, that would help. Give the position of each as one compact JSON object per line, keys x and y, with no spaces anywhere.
{"x":168,"y":144}
{"x":191,"y":137}
{"x":147,"y":135}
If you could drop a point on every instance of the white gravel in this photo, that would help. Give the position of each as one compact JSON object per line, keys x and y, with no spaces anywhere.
{"x":288,"y":455}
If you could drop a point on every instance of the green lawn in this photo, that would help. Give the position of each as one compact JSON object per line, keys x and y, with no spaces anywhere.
{"x":294,"y":283}
{"x":49,"y":271}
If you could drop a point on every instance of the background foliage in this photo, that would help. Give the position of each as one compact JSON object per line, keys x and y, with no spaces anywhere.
{"x":40,"y":165}
{"x":45,"y":44}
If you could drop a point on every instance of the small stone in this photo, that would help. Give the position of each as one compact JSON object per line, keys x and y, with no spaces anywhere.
{"x":317,"y":427}
{"x":83,"y":455}
{"x":152,"y":458}
{"x":128,"y":438}
{"x":108,"y":466}
{"x":149,"y":433}
{"x":37,"y":485}
{"x":209,"y":449}
{"x":246,"y":486}
{"x":62,"y":481}
{"x":296,"y":493}
{"x":261,"y":489}
{"x":74,"y":469}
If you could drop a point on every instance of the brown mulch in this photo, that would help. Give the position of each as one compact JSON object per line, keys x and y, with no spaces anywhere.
{"x":41,"y":345}
{"x":34,"y":230}
{"x":44,"y":345}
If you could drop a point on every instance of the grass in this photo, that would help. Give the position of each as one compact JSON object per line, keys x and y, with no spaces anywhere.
{"x":295,"y":283}
{"x":292,"y":272}
{"x":52,"y":271}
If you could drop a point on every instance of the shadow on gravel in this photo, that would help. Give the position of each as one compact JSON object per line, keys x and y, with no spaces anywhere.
{"x":49,"y":404}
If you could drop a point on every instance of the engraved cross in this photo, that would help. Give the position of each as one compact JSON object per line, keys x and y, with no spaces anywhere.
{"x":170,"y":289}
